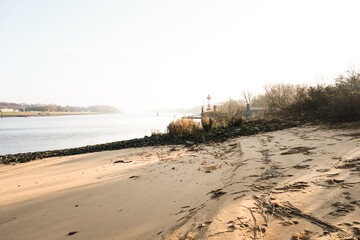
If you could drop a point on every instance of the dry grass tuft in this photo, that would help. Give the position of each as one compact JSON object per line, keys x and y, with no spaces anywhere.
{"x":183,"y":127}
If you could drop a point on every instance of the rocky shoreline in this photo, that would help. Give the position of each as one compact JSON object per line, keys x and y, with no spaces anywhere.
{"x":214,"y":135}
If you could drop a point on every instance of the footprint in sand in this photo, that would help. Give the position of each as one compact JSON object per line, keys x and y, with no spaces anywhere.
{"x":347,"y":195}
{"x":204,"y":224}
{"x":308,"y":160}
{"x":356,"y":232}
{"x":297,"y":150}
{"x":72,"y":233}
{"x":341,"y":209}
{"x":216,"y":193}
{"x":301,"y":166}
{"x":357,"y":203}
{"x":294,"y":187}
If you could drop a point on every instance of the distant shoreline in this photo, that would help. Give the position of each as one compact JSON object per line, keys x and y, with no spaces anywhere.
{"x":44,"y":114}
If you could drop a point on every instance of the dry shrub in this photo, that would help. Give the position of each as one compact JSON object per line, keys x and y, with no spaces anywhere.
{"x":230,"y":112}
{"x":155,"y":132}
{"x":206,"y":122}
{"x":183,"y":127}
{"x":301,"y":235}
{"x":258,"y":101}
{"x":279,"y":98}
{"x":338,"y":101}
{"x":344,"y":97}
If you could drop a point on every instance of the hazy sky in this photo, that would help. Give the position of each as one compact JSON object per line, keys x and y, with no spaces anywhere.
{"x":159,"y":54}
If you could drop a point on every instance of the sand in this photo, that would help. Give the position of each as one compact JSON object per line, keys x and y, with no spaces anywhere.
{"x":299,"y":183}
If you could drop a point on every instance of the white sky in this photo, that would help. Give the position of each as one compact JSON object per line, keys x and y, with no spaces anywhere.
{"x":162,"y":54}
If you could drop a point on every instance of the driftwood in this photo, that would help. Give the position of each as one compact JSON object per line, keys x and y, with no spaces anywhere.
{"x":289,"y":211}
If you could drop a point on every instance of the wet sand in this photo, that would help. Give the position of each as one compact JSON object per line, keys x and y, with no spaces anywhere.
{"x":299,"y":183}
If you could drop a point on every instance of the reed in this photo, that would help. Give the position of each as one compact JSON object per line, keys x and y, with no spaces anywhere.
{"x":183,"y":127}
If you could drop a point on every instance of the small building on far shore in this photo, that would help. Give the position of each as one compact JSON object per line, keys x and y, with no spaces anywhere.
{"x":252,"y":111}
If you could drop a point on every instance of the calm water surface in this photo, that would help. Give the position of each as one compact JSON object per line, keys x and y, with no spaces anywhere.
{"x":19,"y":135}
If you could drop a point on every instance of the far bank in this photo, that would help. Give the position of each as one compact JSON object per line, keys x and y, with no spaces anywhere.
{"x":43,"y":114}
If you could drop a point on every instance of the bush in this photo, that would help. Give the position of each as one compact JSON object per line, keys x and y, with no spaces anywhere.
{"x":279,"y":97}
{"x":206,"y":123}
{"x":336,"y":102}
{"x":183,"y":127}
{"x":236,"y":122}
{"x":229,"y":113}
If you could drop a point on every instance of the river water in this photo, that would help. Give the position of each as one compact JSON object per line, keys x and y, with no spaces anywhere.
{"x":19,"y":135}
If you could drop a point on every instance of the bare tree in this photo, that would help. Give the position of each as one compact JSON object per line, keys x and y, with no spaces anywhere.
{"x":279,"y":97}
{"x":230,"y":111}
{"x":247,"y":96}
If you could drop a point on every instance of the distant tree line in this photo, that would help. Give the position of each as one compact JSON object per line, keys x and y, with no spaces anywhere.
{"x":58,"y":108}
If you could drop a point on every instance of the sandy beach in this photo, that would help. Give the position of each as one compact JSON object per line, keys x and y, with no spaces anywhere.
{"x":299,"y":183}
